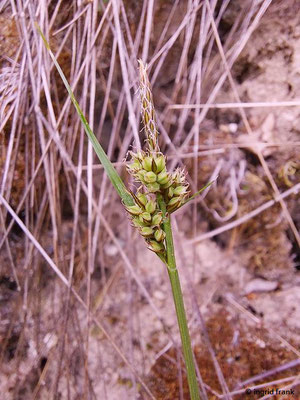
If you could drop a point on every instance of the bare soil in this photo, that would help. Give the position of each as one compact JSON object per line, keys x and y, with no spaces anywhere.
{"x":243,"y":283}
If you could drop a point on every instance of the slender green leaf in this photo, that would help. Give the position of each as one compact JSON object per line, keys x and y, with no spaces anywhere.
{"x":109,"y":168}
{"x":197,"y":193}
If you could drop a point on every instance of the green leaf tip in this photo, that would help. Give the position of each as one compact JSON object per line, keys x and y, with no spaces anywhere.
{"x":42,"y":36}
{"x":199,"y":191}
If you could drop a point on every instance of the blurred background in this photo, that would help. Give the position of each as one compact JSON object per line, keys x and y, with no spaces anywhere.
{"x":86,"y":310}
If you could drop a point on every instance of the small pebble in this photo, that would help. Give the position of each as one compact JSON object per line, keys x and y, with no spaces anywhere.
{"x":159,"y":295}
{"x":232,"y":127}
{"x":50,"y":340}
{"x":260,"y":285}
{"x":111,"y":250}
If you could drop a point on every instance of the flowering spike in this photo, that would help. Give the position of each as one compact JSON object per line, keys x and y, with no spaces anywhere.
{"x":148,"y":112}
{"x":148,"y":168}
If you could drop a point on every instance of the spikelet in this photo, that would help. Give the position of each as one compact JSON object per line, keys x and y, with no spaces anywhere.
{"x":147,"y":109}
{"x":148,"y":168}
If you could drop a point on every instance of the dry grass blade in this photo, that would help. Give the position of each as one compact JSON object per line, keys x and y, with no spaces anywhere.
{"x":226,"y":96}
{"x":67,"y":284}
{"x":109,"y":168}
{"x":244,"y":218}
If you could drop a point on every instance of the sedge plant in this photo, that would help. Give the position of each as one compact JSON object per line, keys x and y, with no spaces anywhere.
{"x":159,"y":193}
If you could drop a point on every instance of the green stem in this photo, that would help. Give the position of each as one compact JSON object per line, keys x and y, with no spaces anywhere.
{"x":179,"y":305}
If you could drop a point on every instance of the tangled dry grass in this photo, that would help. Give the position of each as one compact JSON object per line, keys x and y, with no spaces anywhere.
{"x":84,"y":313}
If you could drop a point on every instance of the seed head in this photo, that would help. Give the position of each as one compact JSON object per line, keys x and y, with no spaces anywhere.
{"x":159,"y":235}
{"x":179,"y":190}
{"x":157,"y":219}
{"x":134,"y":210}
{"x":173,"y":204}
{"x":145,"y":217}
{"x":148,"y":168}
{"x":159,"y":163}
{"x":156,"y":247}
{"x":150,"y":206}
{"x":150,"y":177}
{"x":178,"y":176}
{"x":139,"y":176}
{"x":147,"y":163}
{"x":134,"y":166}
{"x":142,"y":198}
{"x":137,"y":223}
{"x":163,"y":178}
{"x":147,"y":232}
{"x":167,"y":185}
{"x":153,"y":187}
{"x":170,"y":192}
